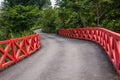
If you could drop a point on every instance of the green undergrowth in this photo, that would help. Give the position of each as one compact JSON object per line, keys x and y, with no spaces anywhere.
{"x":21,"y":34}
{"x":13,"y":35}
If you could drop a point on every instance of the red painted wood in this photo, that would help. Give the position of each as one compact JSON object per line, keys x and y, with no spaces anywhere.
{"x":16,"y":49}
{"x":109,"y":40}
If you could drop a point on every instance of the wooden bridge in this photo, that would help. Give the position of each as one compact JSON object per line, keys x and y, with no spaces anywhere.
{"x":94,"y":54}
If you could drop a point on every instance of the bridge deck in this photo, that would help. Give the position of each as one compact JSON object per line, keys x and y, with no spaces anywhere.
{"x":63,"y":59}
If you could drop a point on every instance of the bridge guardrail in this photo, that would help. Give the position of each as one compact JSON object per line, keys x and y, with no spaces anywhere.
{"x":109,"y":40}
{"x":11,"y":51}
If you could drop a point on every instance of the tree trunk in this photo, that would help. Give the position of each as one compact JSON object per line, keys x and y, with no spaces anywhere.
{"x":81,"y":18}
{"x":97,"y":13}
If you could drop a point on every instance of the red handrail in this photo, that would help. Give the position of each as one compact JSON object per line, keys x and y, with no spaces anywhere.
{"x":11,"y":51}
{"x":109,"y":40}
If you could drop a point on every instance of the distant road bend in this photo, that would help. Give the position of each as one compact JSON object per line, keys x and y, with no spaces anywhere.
{"x":63,"y":58}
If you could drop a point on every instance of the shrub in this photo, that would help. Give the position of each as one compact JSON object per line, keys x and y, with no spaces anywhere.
{"x":19,"y":18}
{"x":112,"y":20}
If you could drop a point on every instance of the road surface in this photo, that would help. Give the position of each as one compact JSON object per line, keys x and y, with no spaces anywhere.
{"x":63,"y":58}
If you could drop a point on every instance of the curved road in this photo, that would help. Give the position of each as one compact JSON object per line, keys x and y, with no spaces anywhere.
{"x":63,"y":58}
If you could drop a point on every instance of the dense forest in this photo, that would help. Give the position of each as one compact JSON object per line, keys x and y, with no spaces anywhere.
{"x":20,"y":17}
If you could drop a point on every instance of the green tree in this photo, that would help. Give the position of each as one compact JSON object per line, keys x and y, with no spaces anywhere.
{"x":40,"y":3}
{"x":94,"y":12}
{"x":19,"y":18}
{"x":48,"y":20}
{"x":112,"y":20}
{"x":81,"y":7}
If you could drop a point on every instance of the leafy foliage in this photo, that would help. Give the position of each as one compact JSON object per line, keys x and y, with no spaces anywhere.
{"x":40,"y":3}
{"x":98,"y":13}
{"x":54,"y":19}
{"x":21,"y":16}
{"x":112,"y":20}
{"x":48,"y":20}
{"x":18,"y":19}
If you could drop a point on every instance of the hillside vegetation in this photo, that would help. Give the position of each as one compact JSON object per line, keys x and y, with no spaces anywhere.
{"x":20,"y":17}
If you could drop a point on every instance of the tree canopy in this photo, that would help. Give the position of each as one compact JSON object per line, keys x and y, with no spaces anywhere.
{"x":40,"y":3}
{"x":98,"y":13}
{"x":18,"y":16}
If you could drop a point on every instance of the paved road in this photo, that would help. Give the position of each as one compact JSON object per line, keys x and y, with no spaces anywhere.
{"x":63,"y":58}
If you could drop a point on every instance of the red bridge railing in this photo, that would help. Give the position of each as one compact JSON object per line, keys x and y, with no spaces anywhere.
{"x":11,"y":51}
{"x":109,"y":40}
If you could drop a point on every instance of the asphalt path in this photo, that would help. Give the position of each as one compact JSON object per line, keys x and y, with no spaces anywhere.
{"x":62,"y":58}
